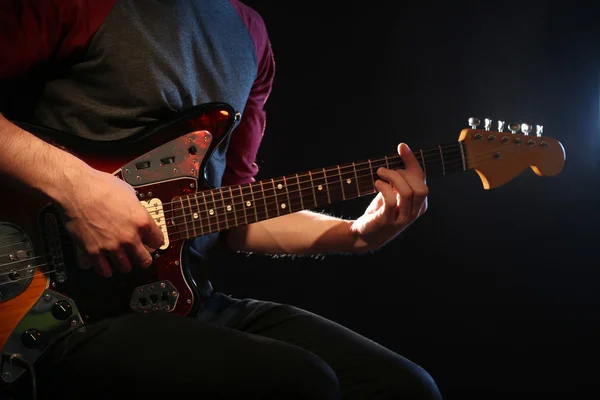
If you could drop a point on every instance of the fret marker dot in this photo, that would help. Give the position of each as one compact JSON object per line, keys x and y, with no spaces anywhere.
{"x":211,"y":212}
{"x":283,"y":205}
{"x":280,"y":186}
{"x":248,"y":204}
{"x":348,"y":181}
{"x":195,"y":215}
{"x":228,"y":208}
{"x":320,"y":187}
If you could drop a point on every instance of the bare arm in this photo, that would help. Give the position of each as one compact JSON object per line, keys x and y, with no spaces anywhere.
{"x":102,"y":212}
{"x":402,"y":198}
{"x":301,"y":233}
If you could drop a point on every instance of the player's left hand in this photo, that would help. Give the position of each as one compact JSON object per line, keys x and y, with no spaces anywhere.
{"x":402,"y":198}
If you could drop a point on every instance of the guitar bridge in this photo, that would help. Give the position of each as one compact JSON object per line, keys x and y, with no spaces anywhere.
{"x":154,"y":297}
{"x":53,"y":245}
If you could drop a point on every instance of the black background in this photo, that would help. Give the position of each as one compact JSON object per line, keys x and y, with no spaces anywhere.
{"x":494,"y":292}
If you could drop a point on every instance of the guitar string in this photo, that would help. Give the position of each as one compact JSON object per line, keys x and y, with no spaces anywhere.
{"x":29,"y":267}
{"x":438,"y":162}
{"x":219,"y":208}
{"x":211,"y":226}
{"x":336,"y":190}
{"x":366,"y":163}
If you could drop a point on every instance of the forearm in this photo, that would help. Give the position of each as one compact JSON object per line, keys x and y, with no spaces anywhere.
{"x":301,"y":233}
{"x":29,"y":161}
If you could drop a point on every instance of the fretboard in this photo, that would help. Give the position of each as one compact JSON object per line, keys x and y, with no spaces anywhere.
{"x":226,"y":207}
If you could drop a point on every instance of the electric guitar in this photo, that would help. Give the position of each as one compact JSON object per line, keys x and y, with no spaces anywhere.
{"x":44,"y":294}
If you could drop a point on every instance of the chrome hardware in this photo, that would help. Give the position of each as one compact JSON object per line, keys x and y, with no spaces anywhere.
{"x":487,"y":124}
{"x":474,"y":122}
{"x":177,"y":158}
{"x":500,"y":126}
{"x":17,"y":264}
{"x":154,"y":297}
{"x":513,"y":128}
{"x":51,"y":318}
{"x":539,"y":130}
{"x":526,"y":129}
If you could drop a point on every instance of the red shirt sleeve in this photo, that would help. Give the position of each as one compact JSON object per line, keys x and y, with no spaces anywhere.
{"x":36,"y":32}
{"x":245,"y":140}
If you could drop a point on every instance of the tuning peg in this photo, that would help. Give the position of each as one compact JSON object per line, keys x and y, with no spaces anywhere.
{"x":474,"y":122}
{"x":526,"y":129}
{"x":539,"y":129}
{"x":487,"y":124}
{"x":513,"y":128}
{"x":500,"y":126}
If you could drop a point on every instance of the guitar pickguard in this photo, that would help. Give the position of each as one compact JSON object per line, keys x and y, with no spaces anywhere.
{"x":177,"y":158}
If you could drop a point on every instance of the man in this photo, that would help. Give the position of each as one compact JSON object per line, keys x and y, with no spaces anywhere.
{"x":107,"y":69}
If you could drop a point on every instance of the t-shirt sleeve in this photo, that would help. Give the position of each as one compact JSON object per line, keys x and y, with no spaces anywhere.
{"x":34,"y":33}
{"x":245,"y":140}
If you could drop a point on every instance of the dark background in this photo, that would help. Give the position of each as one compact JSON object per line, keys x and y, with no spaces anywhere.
{"x":494,"y":292}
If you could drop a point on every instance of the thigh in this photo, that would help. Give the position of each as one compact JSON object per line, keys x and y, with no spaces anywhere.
{"x":158,"y":357}
{"x":365,"y":369}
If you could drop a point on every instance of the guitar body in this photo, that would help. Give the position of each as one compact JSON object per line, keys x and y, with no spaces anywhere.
{"x":45,"y":289}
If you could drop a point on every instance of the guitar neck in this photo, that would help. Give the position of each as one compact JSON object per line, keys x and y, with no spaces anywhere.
{"x":226,"y":207}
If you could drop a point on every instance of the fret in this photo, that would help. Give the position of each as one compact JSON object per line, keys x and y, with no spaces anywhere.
{"x":312,"y":185}
{"x":442,"y":158}
{"x":300,"y":193}
{"x":193,"y":216}
{"x":462,"y":155}
{"x":223,"y":213}
{"x":276,"y":203}
{"x":259,"y":212}
{"x":294,"y":193}
{"x":213,"y":212}
{"x":423,"y":166}
{"x":199,"y":209}
{"x":184,"y":224}
{"x":453,"y":157}
{"x":372,"y":174}
{"x":283,"y":195}
{"x":374,"y":165}
{"x":387,"y":163}
{"x":242,"y":203}
{"x":341,"y":183}
{"x":264,"y":196}
{"x":320,"y":187}
{"x":232,"y":207}
{"x":349,"y":181}
{"x":356,"y":179}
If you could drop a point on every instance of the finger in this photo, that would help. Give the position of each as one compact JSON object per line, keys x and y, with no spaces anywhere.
{"x":119,"y":260}
{"x":101,"y":265}
{"x":139,"y":255}
{"x":389,"y":209}
{"x":151,"y":234}
{"x":410,"y":161}
{"x":83,"y":259}
{"x":396,"y":178}
{"x":420,"y":191}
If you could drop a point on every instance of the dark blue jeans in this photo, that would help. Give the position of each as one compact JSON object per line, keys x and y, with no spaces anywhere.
{"x":234,"y":349}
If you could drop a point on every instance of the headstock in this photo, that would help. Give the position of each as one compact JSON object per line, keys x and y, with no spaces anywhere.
{"x":499,"y":156}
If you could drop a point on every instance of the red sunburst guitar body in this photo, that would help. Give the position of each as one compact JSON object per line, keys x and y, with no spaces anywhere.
{"x":46,"y":291}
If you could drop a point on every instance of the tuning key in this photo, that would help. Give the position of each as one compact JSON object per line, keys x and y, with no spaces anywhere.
{"x":539,"y":129}
{"x":500,"y":126}
{"x":474,"y":122}
{"x":513,"y":128}
{"x":487,"y":124}
{"x":526,"y":129}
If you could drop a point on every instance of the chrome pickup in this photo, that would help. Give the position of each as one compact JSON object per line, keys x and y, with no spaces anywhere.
{"x":155,"y":297}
